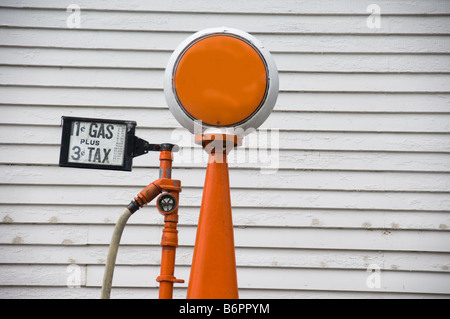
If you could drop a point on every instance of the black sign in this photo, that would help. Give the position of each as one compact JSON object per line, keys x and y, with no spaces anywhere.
{"x":97,"y":143}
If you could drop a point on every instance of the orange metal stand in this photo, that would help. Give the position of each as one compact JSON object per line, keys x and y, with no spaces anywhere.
{"x":213,"y":271}
{"x":169,"y":240}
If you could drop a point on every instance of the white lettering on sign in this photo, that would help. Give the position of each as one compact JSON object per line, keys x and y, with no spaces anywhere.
{"x":97,"y":143}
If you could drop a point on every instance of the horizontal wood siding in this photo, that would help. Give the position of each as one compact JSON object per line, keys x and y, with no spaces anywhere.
{"x":359,"y":176}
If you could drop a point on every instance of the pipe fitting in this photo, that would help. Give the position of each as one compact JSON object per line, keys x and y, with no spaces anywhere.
{"x":148,"y":193}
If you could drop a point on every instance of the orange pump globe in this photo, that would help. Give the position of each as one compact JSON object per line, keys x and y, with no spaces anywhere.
{"x":223,"y":77}
{"x":220,"y":80}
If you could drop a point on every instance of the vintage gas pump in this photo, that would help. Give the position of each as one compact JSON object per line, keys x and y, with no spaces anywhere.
{"x":225,"y":82}
{"x":220,"y":84}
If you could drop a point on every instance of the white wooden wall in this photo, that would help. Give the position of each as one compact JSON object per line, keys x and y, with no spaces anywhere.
{"x":364,"y":128}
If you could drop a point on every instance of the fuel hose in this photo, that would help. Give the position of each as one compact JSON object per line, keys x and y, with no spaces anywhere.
{"x":113,"y":249}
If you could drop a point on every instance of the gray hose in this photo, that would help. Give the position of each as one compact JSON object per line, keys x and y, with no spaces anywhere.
{"x":112,"y":254}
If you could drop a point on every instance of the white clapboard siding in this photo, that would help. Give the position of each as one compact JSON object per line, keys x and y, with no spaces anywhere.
{"x":153,"y":79}
{"x":245,"y":256}
{"x":292,"y":159}
{"x":254,"y":237}
{"x":357,"y":174}
{"x":242,"y":216}
{"x":270,"y":198}
{"x":250,"y":6}
{"x":192,"y":21}
{"x":143,"y":276}
{"x":309,"y":101}
{"x":288,"y":120}
{"x":362,"y":141}
{"x":297,"y":61}
{"x":161,"y":40}
{"x":240,"y":178}
{"x":420,"y":142}
{"x":27,"y":292}
{"x":297,"y":279}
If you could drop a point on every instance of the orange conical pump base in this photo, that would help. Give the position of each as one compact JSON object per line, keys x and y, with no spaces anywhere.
{"x":213,"y":271}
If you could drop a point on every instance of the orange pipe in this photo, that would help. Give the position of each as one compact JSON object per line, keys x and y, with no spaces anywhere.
{"x":148,"y":193}
{"x":213,"y":271}
{"x":169,"y":240}
{"x":169,"y":243}
{"x":165,"y":164}
{"x":166,"y":278}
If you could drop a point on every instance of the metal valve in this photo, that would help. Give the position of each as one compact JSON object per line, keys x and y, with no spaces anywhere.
{"x":166,"y":203}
